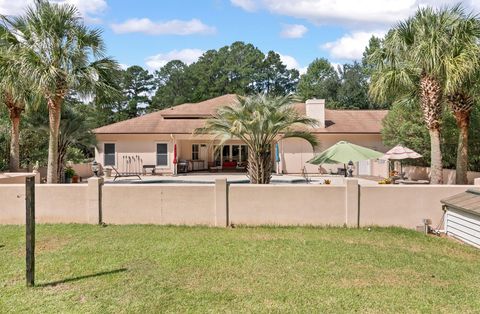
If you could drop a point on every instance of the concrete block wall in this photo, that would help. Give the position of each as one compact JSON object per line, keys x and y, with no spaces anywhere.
{"x":222,"y":204}
{"x":296,"y":204}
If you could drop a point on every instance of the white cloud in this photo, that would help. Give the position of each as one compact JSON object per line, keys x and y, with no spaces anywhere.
{"x":172,"y":27}
{"x":371,"y":13}
{"x":293,"y":31}
{"x":247,"y":5}
{"x":350,"y":46}
{"x":90,"y":9}
{"x":188,"y":56}
{"x":346,"y":11}
{"x":292,"y":63}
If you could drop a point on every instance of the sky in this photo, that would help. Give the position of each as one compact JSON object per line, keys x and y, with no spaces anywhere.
{"x":150,"y":33}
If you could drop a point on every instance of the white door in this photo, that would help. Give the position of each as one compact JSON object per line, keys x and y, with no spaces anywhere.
{"x":203,"y":155}
{"x":364,"y":168}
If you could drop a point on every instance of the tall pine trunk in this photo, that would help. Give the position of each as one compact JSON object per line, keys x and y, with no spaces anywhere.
{"x":14,"y":113}
{"x":54,"y":116}
{"x":463,"y":122}
{"x":431,"y":103}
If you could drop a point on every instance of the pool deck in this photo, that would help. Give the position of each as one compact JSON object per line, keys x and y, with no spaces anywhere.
{"x":233,"y":178}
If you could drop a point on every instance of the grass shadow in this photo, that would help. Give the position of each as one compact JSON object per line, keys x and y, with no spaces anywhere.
{"x":2,"y":246}
{"x":103,"y":273}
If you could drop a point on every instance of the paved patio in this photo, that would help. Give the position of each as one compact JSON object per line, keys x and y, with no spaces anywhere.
{"x":235,"y":178}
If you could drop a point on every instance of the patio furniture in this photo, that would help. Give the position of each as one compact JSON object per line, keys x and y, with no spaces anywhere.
{"x":151,"y":167}
{"x":229,"y":165}
{"x":213,"y":167}
{"x":241,"y":165}
{"x":197,"y":165}
{"x":119,"y":174}
{"x":182,"y":166}
{"x":412,"y":181}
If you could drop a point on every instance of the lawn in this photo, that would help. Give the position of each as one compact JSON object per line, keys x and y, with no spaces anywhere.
{"x":82,"y":268}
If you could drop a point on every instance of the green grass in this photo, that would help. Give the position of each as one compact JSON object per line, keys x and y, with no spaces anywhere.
{"x":83,"y":268}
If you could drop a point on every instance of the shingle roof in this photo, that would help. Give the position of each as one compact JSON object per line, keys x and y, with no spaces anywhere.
{"x":185,"y":118}
{"x":204,"y":108}
{"x":468,"y":201}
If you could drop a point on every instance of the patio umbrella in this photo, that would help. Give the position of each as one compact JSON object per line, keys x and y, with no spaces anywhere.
{"x":175,"y":159}
{"x":277,"y":157}
{"x":400,"y":152}
{"x":343,"y":152}
{"x":175,"y":154}
{"x":277,"y":153}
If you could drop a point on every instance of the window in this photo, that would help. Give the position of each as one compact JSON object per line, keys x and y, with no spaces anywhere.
{"x":162,"y":154}
{"x":236,"y":153}
{"x":244,"y":153}
{"x":226,"y":153}
{"x":217,"y":156}
{"x":109,"y":154}
{"x":195,"y":150}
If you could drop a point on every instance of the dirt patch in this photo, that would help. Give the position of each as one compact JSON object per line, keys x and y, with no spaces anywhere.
{"x":51,"y":244}
{"x":46,"y":245}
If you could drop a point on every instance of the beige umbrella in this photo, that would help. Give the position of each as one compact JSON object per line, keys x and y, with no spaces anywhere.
{"x":400,"y":152}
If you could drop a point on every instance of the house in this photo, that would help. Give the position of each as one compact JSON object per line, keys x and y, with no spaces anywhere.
{"x":153,"y":140}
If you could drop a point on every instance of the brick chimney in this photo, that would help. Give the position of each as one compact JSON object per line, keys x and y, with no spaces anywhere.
{"x":315,"y":108}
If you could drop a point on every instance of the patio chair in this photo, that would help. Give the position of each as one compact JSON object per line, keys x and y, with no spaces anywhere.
{"x":119,"y":174}
{"x":305,"y":175}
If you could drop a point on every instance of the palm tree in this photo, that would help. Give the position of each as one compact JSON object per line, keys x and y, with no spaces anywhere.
{"x":462,"y":101}
{"x":75,"y":131}
{"x":61,"y":56}
{"x":465,"y":49}
{"x":416,"y":62}
{"x":14,"y":92}
{"x":260,"y":122}
{"x":15,"y":109}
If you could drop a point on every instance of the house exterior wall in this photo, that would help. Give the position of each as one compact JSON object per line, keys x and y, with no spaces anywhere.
{"x":141,"y":145}
{"x":294,"y":153}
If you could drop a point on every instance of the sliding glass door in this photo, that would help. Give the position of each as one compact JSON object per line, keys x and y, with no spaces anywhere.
{"x":230,"y":153}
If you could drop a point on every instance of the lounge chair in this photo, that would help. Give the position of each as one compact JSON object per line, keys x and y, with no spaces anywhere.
{"x":124,"y":174}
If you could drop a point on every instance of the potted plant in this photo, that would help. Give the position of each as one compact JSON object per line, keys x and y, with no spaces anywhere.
{"x":69,"y":173}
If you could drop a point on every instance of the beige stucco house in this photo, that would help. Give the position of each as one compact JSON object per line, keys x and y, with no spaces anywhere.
{"x":151,"y":140}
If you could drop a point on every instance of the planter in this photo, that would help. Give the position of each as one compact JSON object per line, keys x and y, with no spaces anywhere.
{"x":108,"y":172}
{"x":75,"y":179}
{"x":68,"y":179}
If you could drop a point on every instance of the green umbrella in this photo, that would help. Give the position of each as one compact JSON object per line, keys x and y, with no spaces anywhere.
{"x":343,"y":152}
